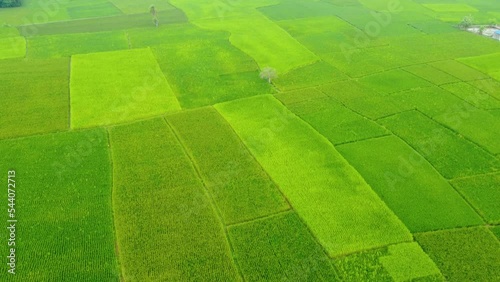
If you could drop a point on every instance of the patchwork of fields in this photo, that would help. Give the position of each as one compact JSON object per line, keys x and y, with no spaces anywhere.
{"x":146,"y":153}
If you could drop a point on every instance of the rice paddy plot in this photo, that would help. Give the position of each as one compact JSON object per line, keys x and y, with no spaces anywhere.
{"x":496,"y":230}
{"x":432,"y":26}
{"x":479,"y":126}
{"x":12,"y":47}
{"x":489,"y":64}
{"x":279,"y":248}
{"x":431,"y":74}
{"x":483,"y":193}
{"x":348,"y":90}
{"x":300,"y":95}
{"x":166,"y":228}
{"x":63,"y":207}
{"x":489,"y":86}
{"x":65,"y":45}
{"x":129,"y":85}
{"x":8,"y":31}
{"x":34,"y":96}
{"x":326,"y":192}
{"x":135,"y":7}
{"x":315,"y":74}
{"x":400,"y":262}
{"x":459,"y":70}
{"x":409,"y":185}
{"x":393,"y":81}
{"x":287,"y":10}
{"x":93,"y":10}
{"x":470,"y":254}
{"x":336,"y":122}
{"x":472,"y":95}
{"x":220,"y":10}
{"x":222,"y":72}
{"x":451,"y":155}
{"x":112,"y":23}
{"x":451,"y":8}
{"x":238,"y":184}
{"x":264,"y":41}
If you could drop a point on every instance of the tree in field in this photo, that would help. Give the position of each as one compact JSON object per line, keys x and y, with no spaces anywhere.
{"x":154,"y":13}
{"x":269,"y":74}
{"x":466,"y":22}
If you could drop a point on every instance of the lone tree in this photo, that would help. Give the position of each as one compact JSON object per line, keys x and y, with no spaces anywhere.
{"x":466,"y":22}
{"x":269,"y":74}
{"x":154,"y":13}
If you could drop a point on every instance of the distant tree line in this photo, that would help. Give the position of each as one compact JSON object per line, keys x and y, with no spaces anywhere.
{"x":10,"y":3}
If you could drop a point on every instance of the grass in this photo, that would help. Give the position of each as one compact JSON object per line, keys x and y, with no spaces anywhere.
{"x":240,"y":187}
{"x":65,"y":45}
{"x":385,"y":82}
{"x":463,"y":8}
{"x":496,"y":230}
{"x":479,"y":126}
{"x":336,"y":122}
{"x":409,"y":185}
{"x":279,"y":248}
{"x":114,"y":23}
{"x":400,"y":262}
{"x":459,"y":70}
{"x":12,"y":47}
{"x":489,"y":86}
{"x":431,"y":74}
{"x":35,"y":96}
{"x":483,"y":193}
{"x":158,"y":201}
{"x":332,"y":198}
{"x":63,"y":207}
{"x":458,"y":256}
{"x":311,"y":75}
{"x":473,"y":95}
{"x":451,"y":155}
{"x":128,"y":84}
{"x":488,"y":64}
{"x":265,"y":42}
{"x":93,"y":10}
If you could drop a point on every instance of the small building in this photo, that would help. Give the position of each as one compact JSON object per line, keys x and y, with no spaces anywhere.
{"x":496,"y":35}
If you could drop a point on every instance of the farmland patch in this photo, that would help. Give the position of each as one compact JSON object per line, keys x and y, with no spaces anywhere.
{"x":489,"y":64}
{"x":315,"y":74}
{"x":393,"y":81}
{"x":431,"y":74}
{"x":128,"y":85}
{"x":459,"y":70}
{"x":320,"y":185}
{"x":34,"y":96}
{"x":409,"y":184}
{"x":400,"y":262}
{"x":65,"y":45}
{"x":158,"y":201}
{"x":12,"y":47}
{"x":63,"y":207}
{"x":451,"y":155}
{"x":93,"y":10}
{"x":279,"y":248}
{"x":472,"y":95}
{"x":240,"y":187}
{"x":458,"y":256}
{"x":483,"y":193}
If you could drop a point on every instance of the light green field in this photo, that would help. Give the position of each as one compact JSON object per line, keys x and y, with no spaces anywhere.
{"x":483,"y":193}
{"x":459,"y":70}
{"x":12,"y":47}
{"x":315,"y":74}
{"x":479,"y":126}
{"x":489,"y":64}
{"x":331,"y":197}
{"x":472,"y":95}
{"x":400,"y":262}
{"x":431,"y":74}
{"x":409,"y":185}
{"x":157,"y":192}
{"x":336,"y":122}
{"x":385,"y":82}
{"x":450,"y":7}
{"x":63,"y":207}
{"x":45,"y":85}
{"x":279,"y":248}
{"x":93,"y":10}
{"x":452,"y":250}
{"x":128,"y":85}
{"x":53,"y":46}
{"x":457,"y":156}
{"x":241,"y":189}
{"x":489,"y":86}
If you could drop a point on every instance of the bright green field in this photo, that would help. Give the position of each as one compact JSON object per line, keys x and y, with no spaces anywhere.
{"x":128,"y":85}
{"x":320,"y":185}
{"x":159,"y":153}
{"x":167,"y":202}
{"x":409,"y":185}
{"x":63,"y":207}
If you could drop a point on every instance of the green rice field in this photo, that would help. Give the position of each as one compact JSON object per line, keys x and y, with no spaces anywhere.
{"x":265,"y":140}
